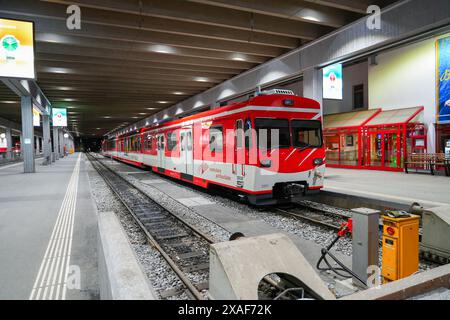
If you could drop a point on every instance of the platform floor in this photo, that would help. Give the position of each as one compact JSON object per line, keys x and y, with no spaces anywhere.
{"x":430,"y":191}
{"x":48,"y":228}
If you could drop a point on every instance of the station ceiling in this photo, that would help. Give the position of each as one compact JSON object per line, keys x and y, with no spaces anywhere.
{"x":132,"y":58}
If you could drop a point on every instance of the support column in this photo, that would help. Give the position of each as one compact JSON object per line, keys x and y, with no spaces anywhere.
{"x":9,"y":153}
{"x":27,"y":145}
{"x":56,"y":142}
{"x":364,"y":241}
{"x":312,"y":85}
{"x":46,"y":141}
{"x":61,"y":143}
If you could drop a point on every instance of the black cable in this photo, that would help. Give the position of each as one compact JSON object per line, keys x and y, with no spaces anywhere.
{"x":336,"y":270}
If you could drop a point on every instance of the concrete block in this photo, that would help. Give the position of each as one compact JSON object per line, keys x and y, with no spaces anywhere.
{"x":120,"y":275}
{"x":237,"y":267}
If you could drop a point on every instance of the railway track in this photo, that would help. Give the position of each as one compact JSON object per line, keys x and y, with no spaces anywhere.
{"x":185,"y":248}
{"x":319,"y":217}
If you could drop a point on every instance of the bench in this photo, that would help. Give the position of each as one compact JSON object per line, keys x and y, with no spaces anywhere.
{"x":428,"y":161}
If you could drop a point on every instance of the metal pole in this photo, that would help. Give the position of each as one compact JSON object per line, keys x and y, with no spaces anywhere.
{"x":61,"y":143}
{"x":365,"y":241}
{"x":9,"y":154}
{"x":28,"y":134}
{"x":56,"y":142}
{"x":47,"y":146}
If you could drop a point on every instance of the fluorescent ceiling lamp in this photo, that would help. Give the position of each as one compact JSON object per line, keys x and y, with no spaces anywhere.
{"x":201,"y":79}
{"x":238,"y":57}
{"x":160,"y":48}
{"x":178,"y":93}
{"x":311,"y":18}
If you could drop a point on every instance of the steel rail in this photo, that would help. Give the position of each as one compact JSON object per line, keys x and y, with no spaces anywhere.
{"x":189,"y":285}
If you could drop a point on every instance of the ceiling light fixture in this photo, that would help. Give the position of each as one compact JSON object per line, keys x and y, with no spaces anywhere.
{"x":178,"y":93}
{"x":238,"y":57}
{"x":201,"y":79}
{"x":311,"y":18}
{"x":160,"y":48}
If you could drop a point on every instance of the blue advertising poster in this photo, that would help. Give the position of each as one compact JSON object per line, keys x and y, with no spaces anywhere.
{"x":332,"y":82}
{"x":443,"y":80}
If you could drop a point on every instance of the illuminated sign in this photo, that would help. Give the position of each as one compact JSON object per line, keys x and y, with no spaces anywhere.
{"x":16,"y":49}
{"x":332,"y":82}
{"x":59,"y":117}
{"x":443,"y":80}
{"x":3,"y":142}
{"x":36,"y":118}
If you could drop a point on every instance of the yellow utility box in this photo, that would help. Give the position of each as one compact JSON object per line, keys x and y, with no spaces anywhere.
{"x":400,"y":246}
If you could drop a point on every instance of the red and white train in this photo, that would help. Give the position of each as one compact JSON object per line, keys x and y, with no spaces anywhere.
{"x":268,"y":149}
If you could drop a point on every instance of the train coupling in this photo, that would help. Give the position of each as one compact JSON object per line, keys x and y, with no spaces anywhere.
{"x":288,"y":190}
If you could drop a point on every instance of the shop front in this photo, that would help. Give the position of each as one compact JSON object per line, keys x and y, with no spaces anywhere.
{"x":443,"y":139}
{"x":381,"y":140}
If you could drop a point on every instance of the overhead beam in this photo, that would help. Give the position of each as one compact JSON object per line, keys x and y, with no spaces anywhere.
{"x":33,"y":9}
{"x":289,"y":9}
{"x":181,"y":10}
{"x":52,"y":57}
{"x":137,"y":56}
{"x":130,"y":46}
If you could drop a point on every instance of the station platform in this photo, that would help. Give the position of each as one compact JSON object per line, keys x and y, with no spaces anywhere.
{"x":48,"y":229}
{"x":396,"y":187}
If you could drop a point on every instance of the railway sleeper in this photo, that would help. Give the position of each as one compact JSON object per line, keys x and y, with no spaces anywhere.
{"x":172,"y":235}
{"x":196,"y":267}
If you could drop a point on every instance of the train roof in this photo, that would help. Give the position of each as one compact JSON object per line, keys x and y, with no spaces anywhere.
{"x":266,"y":100}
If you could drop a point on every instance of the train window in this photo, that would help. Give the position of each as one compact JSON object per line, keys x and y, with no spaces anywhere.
{"x":307,"y":133}
{"x":239,"y":133}
{"x":272,"y":133}
{"x":216,"y":139}
{"x":182,"y":141}
{"x":148,"y":142}
{"x":171,"y":141}
{"x":248,"y":133}
{"x":189,"y":140}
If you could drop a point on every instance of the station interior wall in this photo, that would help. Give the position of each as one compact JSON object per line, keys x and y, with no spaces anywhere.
{"x":406,"y":77}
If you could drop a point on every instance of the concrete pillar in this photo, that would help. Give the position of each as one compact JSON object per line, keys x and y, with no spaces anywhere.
{"x":312,"y":85}
{"x":46,"y":141}
{"x":364,"y":241}
{"x":56,"y":142}
{"x":27,"y":145}
{"x":61,"y":143}
{"x":9,"y":153}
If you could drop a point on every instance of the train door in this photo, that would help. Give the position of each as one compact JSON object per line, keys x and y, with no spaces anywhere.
{"x":187,"y":154}
{"x":239,"y":154}
{"x":161,"y":150}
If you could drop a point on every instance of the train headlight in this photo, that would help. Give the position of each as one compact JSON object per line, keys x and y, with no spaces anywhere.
{"x":318,"y":161}
{"x":266,"y":163}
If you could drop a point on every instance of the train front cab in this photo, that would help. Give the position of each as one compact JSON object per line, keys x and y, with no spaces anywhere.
{"x":286,"y":168}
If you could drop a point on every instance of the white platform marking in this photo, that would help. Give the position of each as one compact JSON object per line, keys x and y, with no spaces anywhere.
{"x":52,"y":276}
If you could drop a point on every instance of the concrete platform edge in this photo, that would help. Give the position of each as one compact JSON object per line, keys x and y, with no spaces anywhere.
{"x":120,"y":275}
{"x":408,"y":287}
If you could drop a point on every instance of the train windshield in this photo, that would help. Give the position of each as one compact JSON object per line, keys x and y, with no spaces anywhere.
{"x":272,"y":133}
{"x":306,"y":133}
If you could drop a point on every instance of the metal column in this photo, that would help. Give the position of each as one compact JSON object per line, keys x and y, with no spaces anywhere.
{"x":27,"y":146}
{"x":9,"y":153}
{"x":61,"y":144}
{"x":46,"y":141}
{"x":365,"y":241}
{"x":312,"y":85}
{"x":56,"y":142}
